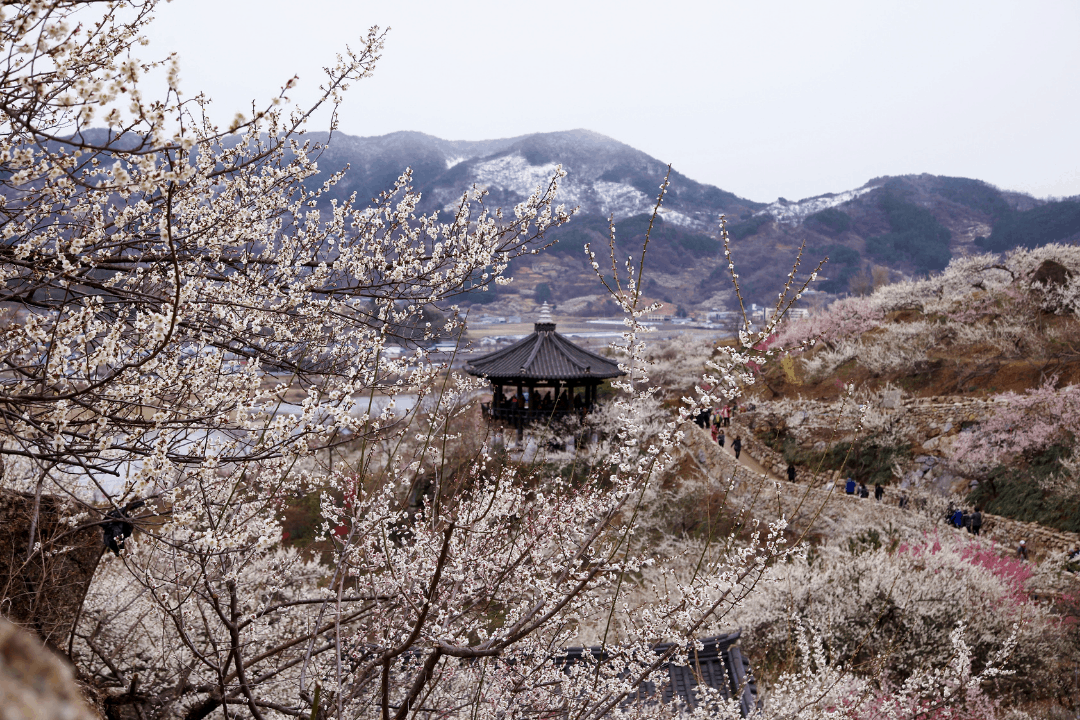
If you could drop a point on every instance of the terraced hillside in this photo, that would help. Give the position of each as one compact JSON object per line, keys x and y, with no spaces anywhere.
{"x":966,"y":382}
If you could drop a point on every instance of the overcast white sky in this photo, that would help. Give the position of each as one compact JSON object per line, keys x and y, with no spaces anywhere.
{"x":763,"y":99}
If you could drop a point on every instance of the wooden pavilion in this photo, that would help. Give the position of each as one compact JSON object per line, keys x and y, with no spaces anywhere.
{"x":542,"y":377}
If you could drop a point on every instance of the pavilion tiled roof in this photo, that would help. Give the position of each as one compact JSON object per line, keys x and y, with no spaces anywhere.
{"x":543,"y":355}
{"x":719,"y":664}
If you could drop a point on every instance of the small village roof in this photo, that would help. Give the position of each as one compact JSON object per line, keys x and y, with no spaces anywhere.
{"x":719,"y":664}
{"x":543,"y":355}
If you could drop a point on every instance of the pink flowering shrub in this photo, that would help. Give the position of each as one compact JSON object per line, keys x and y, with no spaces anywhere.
{"x":1021,"y":424}
{"x":897,"y":608}
{"x":849,"y":317}
{"x":1012,"y":573}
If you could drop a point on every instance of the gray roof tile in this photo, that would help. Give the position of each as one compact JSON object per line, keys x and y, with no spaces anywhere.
{"x":543,"y":355}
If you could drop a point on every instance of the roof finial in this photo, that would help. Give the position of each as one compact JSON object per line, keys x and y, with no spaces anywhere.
{"x":545,"y":313}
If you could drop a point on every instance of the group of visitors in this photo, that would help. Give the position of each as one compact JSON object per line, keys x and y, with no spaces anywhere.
{"x":717,"y":417}
{"x":715,"y":421}
{"x":958,"y":518}
{"x":545,"y":402}
{"x":860,"y":489}
{"x":955,"y":516}
{"x":720,"y":438}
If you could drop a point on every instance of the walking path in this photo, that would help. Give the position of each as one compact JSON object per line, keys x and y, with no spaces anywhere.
{"x":827,"y":511}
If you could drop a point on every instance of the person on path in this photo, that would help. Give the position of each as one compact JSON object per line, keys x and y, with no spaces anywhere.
{"x":903,"y":501}
{"x":863,"y":491}
{"x":958,"y":518}
{"x":715,"y":433}
{"x":849,"y":488}
{"x":790,"y":473}
{"x":1021,"y":551}
{"x":725,"y":415}
{"x":737,"y":446}
{"x":976,"y":521}
{"x":879,"y":491}
{"x":720,"y":439}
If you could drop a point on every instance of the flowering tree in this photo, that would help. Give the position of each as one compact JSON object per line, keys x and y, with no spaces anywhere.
{"x":187,"y":333}
{"x":895,"y":604}
{"x":1021,"y":424}
{"x":190,"y":343}
{"x":845,"y":318}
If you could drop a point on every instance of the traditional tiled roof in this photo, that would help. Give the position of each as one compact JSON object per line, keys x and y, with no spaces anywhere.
{"x":720,"y":664}
{"x":543,"y":355}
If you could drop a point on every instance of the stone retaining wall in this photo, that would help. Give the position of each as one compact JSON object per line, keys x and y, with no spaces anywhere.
{"x":815,"y":508}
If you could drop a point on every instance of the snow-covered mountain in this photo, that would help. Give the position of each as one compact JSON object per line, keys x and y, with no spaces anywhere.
{"x":605,"y":177}
{"x":911,"y":225}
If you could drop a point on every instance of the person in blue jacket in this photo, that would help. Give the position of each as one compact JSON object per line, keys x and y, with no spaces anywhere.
{"x":850,"y":487}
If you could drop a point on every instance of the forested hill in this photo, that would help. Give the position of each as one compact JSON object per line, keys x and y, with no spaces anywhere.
{"x":910,"y":225}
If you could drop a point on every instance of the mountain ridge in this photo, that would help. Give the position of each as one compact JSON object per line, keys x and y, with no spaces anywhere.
{"x":905,"y":225}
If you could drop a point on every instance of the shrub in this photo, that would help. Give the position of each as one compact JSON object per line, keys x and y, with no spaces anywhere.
{"x":1021,"y":493}
{"x":868,"y":460}
{"x":903,"y":597}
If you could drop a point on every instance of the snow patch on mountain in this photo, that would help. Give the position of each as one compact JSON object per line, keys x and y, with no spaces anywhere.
{"x":792,"y":213}
{"x":620,"y":199}
{"x":677,"y":218}
{"x":513,"y":173}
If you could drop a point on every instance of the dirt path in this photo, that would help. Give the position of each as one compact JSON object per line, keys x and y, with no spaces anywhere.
{"x":828,"y":512}
{"x":747,"y":461}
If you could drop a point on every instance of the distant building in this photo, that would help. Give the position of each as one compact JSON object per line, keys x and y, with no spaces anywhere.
{"x":722,"y":316}
{"x":664,"y":313}
{"x":792,"y":313}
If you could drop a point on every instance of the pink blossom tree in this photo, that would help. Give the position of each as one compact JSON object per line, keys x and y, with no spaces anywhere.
{"x":1021,"y":423}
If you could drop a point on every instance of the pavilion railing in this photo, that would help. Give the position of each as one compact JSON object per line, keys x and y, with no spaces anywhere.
{"x":526,"y":416}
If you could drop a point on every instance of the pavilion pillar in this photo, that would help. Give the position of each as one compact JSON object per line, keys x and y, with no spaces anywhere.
{"x":519,"y":412}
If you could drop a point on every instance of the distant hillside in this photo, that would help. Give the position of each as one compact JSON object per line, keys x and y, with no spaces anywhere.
{"x":990,"y":341}
{"x":909,"y":225}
